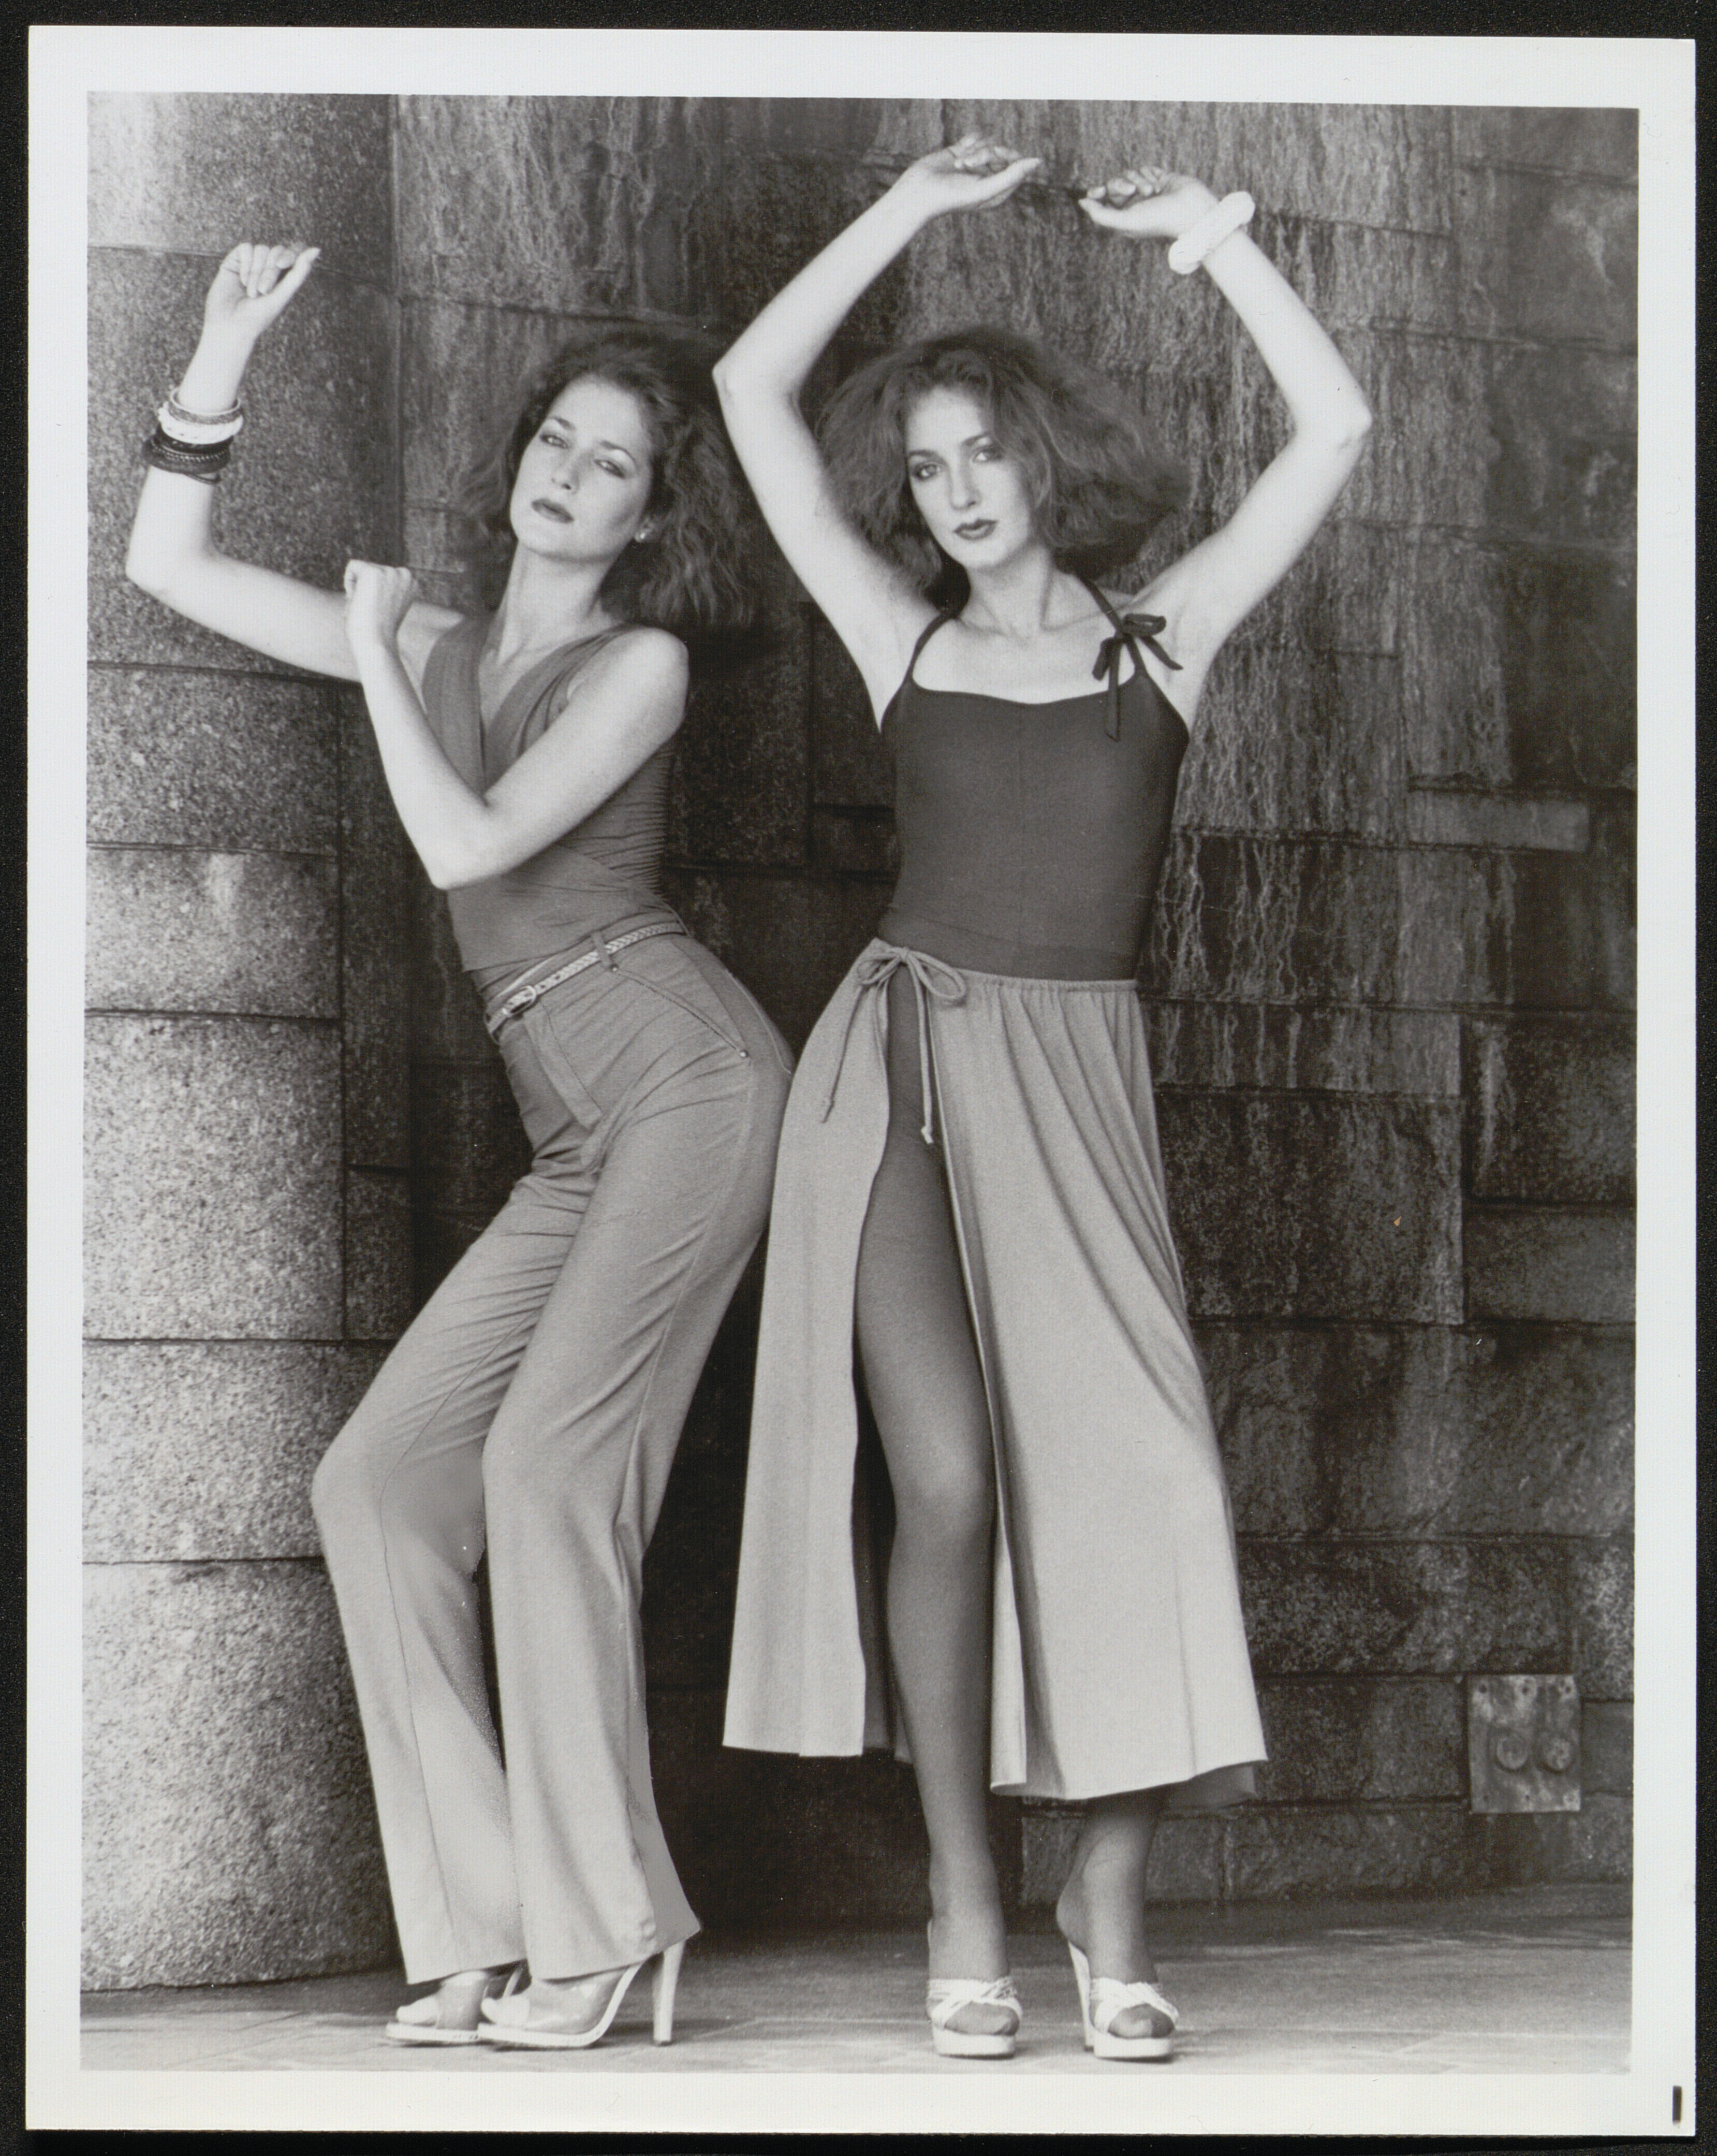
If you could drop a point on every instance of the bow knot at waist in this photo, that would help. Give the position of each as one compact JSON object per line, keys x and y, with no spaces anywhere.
{"x":932,"y":982}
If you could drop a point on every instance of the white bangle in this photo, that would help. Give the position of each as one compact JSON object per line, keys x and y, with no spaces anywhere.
{"x":1209,"y":231}
{"x":176,"y":424}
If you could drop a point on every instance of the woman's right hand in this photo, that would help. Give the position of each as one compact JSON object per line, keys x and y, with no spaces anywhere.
{"x":973,"y":173}
{"x":252,"y":288}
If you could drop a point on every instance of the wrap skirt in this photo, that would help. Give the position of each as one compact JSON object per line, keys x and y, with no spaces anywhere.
{"x":1119,"y":1659}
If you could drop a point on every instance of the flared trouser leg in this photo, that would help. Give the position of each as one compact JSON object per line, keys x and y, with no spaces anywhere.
{"x":538,"y":1399}
{"x":574,"y":1474}
{"x":399,"y":1501}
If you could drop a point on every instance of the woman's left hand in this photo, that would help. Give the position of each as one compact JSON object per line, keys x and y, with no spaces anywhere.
{"x":1148,"y":202}
{"x":377,"y":599}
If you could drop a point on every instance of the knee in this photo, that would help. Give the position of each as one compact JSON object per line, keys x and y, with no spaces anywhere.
{"x":949,"y":1513}
{"x":518,"y":1483}
{"x":347,"y":1484}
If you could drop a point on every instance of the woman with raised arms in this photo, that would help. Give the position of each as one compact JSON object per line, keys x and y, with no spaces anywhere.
{"x":969,"y":1180}
{"x":536,"y":1401}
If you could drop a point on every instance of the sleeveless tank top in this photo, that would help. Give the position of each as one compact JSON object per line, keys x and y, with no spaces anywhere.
{"x":1032,"y":835}
{"x":602,"y":874}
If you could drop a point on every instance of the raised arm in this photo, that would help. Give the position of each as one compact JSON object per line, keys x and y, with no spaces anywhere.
{"x":875,"y":608}
{"x":172,"y":555}
{"x":1213,"y":587}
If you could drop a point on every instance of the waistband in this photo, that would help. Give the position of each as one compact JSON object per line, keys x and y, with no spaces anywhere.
{"x":976,"y":951}
{"x":508,"y":997}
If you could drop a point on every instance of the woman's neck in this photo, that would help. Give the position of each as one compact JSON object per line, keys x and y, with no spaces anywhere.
{"x":1023,"y":599}
{"x":546,"y":603}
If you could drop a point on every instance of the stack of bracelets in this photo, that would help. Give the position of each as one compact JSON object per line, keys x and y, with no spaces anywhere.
{"x":198,"y":444}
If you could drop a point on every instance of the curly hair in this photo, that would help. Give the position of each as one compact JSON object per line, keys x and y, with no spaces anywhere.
{"x":1098,"y":482}
{"x":692,"y":575}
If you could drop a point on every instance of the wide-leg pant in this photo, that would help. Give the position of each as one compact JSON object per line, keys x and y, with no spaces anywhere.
{"x":537,"y":1400}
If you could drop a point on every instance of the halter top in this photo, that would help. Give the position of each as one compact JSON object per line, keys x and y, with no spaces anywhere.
{"x":600,"y":875}
{"x":1032,"y":835}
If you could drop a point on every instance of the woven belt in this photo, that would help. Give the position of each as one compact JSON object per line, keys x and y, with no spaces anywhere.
{"x":521,"y":1000}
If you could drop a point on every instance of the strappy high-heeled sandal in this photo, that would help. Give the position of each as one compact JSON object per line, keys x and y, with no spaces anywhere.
{"x":1103,"y":1998}
{"x":435,"y":2019}
{"x":943,"y":1997}
{"x":508,"y":2022}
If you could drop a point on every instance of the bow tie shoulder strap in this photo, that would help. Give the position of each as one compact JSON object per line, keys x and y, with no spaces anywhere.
{"x":1130,"y":631}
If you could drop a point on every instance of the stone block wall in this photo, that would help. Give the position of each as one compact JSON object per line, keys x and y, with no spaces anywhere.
{"x":1389,"y":991}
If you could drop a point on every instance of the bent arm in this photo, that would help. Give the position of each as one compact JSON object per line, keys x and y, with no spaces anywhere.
{"x":873,"y":606}
{"x":1207,"y":592}
{"x":623,"y":708}
{"x":172,"y":554}
{"x":1214,"y":586}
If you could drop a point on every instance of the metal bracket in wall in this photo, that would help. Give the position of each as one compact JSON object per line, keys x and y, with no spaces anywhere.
{"x":1523,"y":1743}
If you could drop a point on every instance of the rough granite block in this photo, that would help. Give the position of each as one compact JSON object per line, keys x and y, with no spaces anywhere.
{"x":1283,"y":1049}
{"x":1314,"y":921}
{"x":1547,"y":256}
{"x":740,"y":769}
{"x":1518,"y":664}
{"x":789,"y":940}
{"x":1383,"y":165}
{"x":1601,"y":1587}
{"x":774,"y":212}
{"x":1541,"y":1262}
{"x":194,"y":173}
{"x":184,"y":759}
{"x":1562,"y":421}
{"x":229,"y":1833}
{"x":1405,"y":1607}
{"x":1429,"y":458}
{"x":693,"y":1559}
{"x":446,"y":1013}
{"x":557,"y":202}
{"x":1292,"y":737}
{"x":463,"y":370}
{"x":1314,"y":1205}
{"x":850,"y":767}
{"x":378,"y":1255}
{"x":1410,"y":1430}
{"x":314,"y":479}
{"x":1289,"y":921}
{"x":1607,"y":1748}
{"x":468,"y":1145}
{"x":205,"y":1449}
{"x":1185,"y":1862}
{"x":1549,"y":1109}
{"x":1354,"y":1740}
{"x":1447,"y":819}
{"x":1566,"y":650}
{"x":1528,"y":1849}
{"x":377,"y":893}
{"x":1552,"y":138}
{"x":172,"y":929}
{"x":854,"y":841}
{"x":1273,"y":1852}
{"x":211,"y":1193}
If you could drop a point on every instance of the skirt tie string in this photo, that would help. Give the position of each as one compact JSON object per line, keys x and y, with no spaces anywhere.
{"x":932,"y":982}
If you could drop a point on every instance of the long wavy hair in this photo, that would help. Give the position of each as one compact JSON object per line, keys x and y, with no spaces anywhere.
{"x":1099,"y":483}
{"x":692,"y":575}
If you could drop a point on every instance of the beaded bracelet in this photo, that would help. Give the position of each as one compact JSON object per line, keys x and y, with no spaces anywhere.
{"x":204,"y":461}
{"x":1209,"y":231}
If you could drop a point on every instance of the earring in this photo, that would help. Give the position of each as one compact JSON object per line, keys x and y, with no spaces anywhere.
{"x":642,"y":536}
